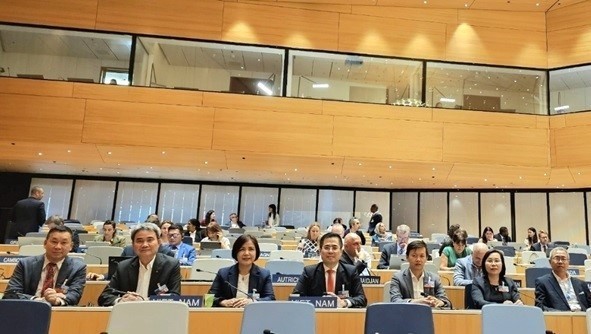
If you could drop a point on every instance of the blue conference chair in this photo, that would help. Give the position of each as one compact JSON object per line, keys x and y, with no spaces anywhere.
{"x":281,"y":317}
{"x":507,"y":250}
{"x":221,"y":254}
{"x":512,"y":319}
{"x":532,"y":273}
{"x":577,"y":259}
{"x":410,"y":318}
{"x":25,"y":316}
{"x":285,"y":267}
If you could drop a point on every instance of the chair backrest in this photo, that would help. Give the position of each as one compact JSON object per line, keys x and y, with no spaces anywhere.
{"x":25,"y":316}
{"x":37,"y":234}
{"x":585,"y":247}
{"x":588,"y":264}
{"x":383,"y":244}
{"x":510,"y":267}
{"x":518,"y":246}
{"x":280,"y":317}
{"x":287,"y":255}
{"x":92,"y":243}
{"x":529,"y":256}
{"x":396,"y":261}
{"x":541,"y":262}
{"x":409,"y":318}
{"x":267,"y":247}
{"x":573,"y":250}
{"x":472,"y":240}
{"x":100,"y":254}
{"x":507,"y":250}
{"x":30,"y":241}
{"x":438,"y":237}
{"x":212,"y":265}
{"x":286,"y":267}
{"x":532,"y":273}
{"x":221,"y":254}
{"x":429,"y":267}
{"x":499,"y":318}
{"x":564,"y":244}
{"x":139,"y":317}
{"x":31,"y":250}
{"x":386,"y":292}
{"x":468,"y":301}
{"x":98,"y":225}
{"x":86,"y":237}
{"x":577,"y":259}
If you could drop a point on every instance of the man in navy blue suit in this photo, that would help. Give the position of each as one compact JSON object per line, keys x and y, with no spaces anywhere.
{"x":558,"y":291}
{"x":28,"y":214}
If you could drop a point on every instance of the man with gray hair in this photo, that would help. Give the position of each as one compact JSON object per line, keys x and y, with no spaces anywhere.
{"x":146,"y":274}
{"x":28,"y":214}
{"x":558,"y":290}
{"x":397,"y":248}
{"x":470,"y":267}
{"x":338,"y":229}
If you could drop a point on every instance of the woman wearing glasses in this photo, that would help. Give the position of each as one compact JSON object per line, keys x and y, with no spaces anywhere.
{"x":456,"y":251}
{"x":493,"y":287}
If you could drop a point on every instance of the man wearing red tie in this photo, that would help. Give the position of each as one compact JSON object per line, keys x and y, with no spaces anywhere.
{"x":52,"y":277}
{"x":330,"y":277}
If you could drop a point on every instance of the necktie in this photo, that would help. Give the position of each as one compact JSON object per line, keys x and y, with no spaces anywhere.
{"x":544,"y":248}
{"x":331,"y":282}
{"x":400,"y":250}
{"x":49,"y":273}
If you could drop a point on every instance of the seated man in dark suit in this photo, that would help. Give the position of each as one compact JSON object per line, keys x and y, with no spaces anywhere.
{"x":353,"y":254}
{"x":414,"y":284}
{"x":52,"y":277}
{"x":397,"y":248}
{"x":148,"y":273}
{"x":558,"y":291}
{"x":543,"y":244}
{"x":503,"y":235}
{"x":331,"y":277}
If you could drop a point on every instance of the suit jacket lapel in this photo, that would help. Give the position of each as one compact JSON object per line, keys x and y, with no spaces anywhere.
{"x":408,"y":281}
{"x":233,"y":279}
{"x":133,"y":273}
{"x":154,"y":275}
{"x":558,"y":290}
{"x":253,"y":279}
{"x":582,"y":298}
{"x":63,"y":273}
{"x":36,"y":270}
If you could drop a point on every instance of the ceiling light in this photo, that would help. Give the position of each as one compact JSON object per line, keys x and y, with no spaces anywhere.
{"x":264,"y":88}
{"x":320,"y":85}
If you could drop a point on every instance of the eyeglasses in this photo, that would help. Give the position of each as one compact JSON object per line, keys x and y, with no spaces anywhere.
{"x":174,"y":235}
{"x":560,"y":258}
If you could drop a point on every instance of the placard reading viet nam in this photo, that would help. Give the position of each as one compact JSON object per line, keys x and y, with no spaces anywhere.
{"x":318,"y":302}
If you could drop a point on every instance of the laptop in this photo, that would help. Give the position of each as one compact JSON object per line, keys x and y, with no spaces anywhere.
{"x":207,"y":246}
{"x":113,"y":262}
{"x":396,"y":261}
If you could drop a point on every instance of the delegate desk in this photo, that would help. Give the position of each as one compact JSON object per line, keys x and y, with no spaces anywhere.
{"x":75,"y":320}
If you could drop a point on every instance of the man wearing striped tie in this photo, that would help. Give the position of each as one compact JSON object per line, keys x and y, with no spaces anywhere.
{"x":52,"y":277}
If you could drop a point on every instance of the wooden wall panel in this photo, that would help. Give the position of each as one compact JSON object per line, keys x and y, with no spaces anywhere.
{"x":569,"y":46}
{"x":385,"y":36}
{"x":569,"y":17}
{"x":484,"y":118}
{"x":413,"y":14}
{"x":533,"y":21}
{"x":253,"y":102}
{"x":482,"y":144}
{"x":572,"y":146}
{"x":143,"y":124}
{"x":496,"y":46}
{"x":272,"y":132}
{"x":138,"y":94}
{"x":39,"y":88}
{"x":41,"y":118}
{"x":376,"y":111}
{"x":182,"y":18}
{"x":317,"y":6}
{"x":387,"y":139}
{"x":64,"y":13}
{"x":265,"y":24}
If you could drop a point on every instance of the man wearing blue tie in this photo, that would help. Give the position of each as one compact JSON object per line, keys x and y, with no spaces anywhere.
{"x":186,"y":254}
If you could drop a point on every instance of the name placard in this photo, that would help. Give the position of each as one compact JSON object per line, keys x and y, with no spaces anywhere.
{"x":11,"y":258}
{"x":370,"y":280}
{"x":284,"y":278}
{"x":318,"y":302}
{"x":265,"y":254}
{"x":191,"y":301}
{"x":573,"y":271}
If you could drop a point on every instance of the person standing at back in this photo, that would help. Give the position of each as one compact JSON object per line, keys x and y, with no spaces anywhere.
{"x":376,"y":218}
{"x":273,"y":217}
{"x":28,"y":214}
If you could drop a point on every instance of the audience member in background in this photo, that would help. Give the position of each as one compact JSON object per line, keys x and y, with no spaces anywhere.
{"x":54,"y":221}
{"x":470,"y":267}
{"x":532,"y":238}
{"x":209,"y":217}
{"x":193,"y":230}
{"x":110,"y":235}
{"x":309,"y":244}
{"x":214,"y":233}
{"x":153,"y":218}
{"x":381,"y":235}
{"x":273,"y":217}
{"x":244,"y":282}
{"x":28,"y":214}
{"x":543,"y":244}
{"x":558,"y":290}
{"x":376,"y":218}
{"x":503,"y":235}
{"x":493,"y":287}
{"x":448,"y":239}
{"x":52,"y":277}
{"x":186,"y":254}
{"x":355,"y":227}
{"x":487,"y":235}
{"x":235,"y":222}
{"x":330,"y":277}
{"x":337,"y":221}
{"x":414,"y":284}
{"x":148,"y":273}
{"x":338,"y":229}
{"x":354,"y":255}
{"x":456,"y":251}
{"x":397,"y":248}
{"x":164,"y":230}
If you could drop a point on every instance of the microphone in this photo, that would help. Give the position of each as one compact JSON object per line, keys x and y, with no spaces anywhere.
{"x":230,"y":284}
{"x":96,"y":257}
{"x":268,"y":331}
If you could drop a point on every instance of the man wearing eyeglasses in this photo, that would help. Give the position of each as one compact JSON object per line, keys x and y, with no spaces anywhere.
{"x":397,"y":248}
{"x":558,"y":290}
{"x":185,"y":253}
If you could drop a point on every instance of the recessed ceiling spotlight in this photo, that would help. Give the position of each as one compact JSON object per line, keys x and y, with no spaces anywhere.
{"x":109,"y":153}
{"x":40,"y":153}
{"x":69,"y":151}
